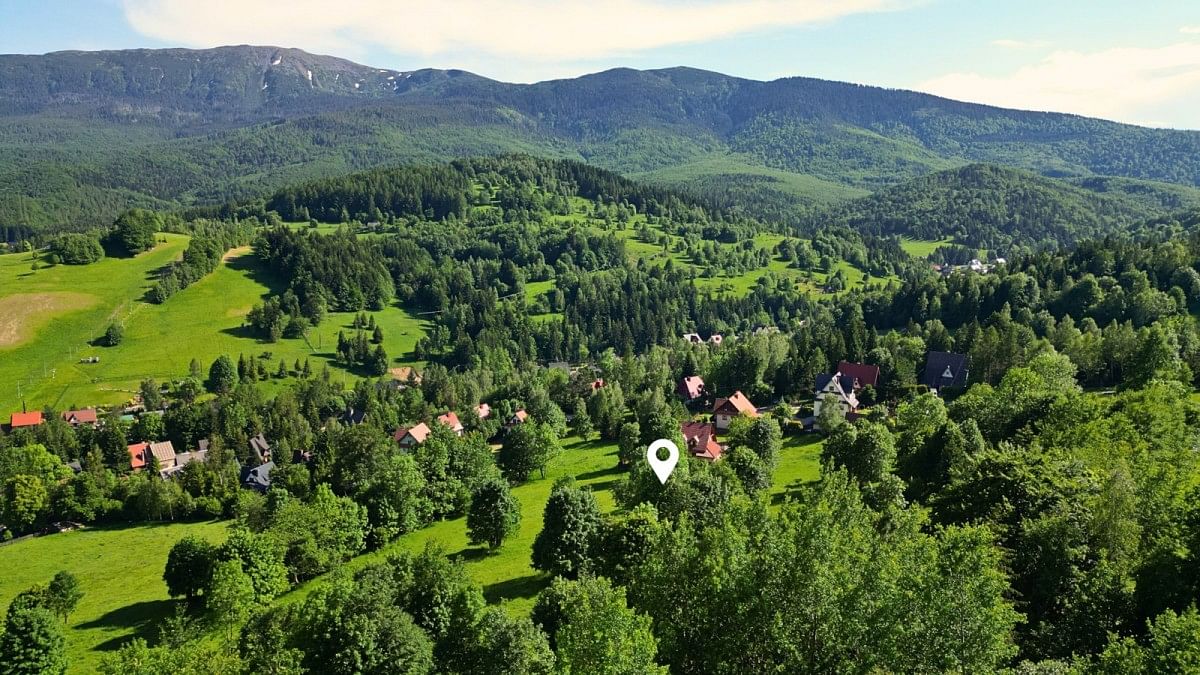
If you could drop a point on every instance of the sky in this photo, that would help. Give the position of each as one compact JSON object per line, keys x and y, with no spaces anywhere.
{"x":1136,"y":62}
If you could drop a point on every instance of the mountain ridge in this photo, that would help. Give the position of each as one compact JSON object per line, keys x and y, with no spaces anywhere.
{"x":190,"y":127}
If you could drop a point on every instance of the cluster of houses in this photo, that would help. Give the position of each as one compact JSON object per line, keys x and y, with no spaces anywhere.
{"x":976,"y":266}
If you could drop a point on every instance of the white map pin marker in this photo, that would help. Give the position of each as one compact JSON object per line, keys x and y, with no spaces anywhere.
{"x":662,"y":467}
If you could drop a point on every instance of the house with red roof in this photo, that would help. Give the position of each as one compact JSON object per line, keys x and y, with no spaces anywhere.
{"x":597,"y":384}
{"x":450,"y":419}
{"x":725,"y":410}
{"x":412,"y":436}
{"x":865,"y":375}
{"x":690,"y":388}
{"x":78,"y":418}
{"x":23,"y":420}
{"x":483,"y":410}
{"x":701,"y":439}
{"x":141,"y":453}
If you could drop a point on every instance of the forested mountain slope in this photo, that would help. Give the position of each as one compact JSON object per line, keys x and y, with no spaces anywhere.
{"x":107,"y":129}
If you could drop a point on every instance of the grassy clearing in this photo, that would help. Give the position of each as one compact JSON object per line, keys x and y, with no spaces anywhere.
{"x":507,"y":576}
{"x":918,"y":248}
{"x":120,"y":569}
{"x":202,"y":321}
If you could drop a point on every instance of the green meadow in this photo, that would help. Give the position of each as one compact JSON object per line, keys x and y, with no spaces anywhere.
{"x":120,"y":569}
{"x":921,"y":249}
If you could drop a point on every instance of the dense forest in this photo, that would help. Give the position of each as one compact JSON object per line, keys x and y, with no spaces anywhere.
{"x":1041,"y":519}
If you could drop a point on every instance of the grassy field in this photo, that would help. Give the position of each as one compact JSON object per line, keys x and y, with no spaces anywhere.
{"x":507,"y":576}
{"x":202,"y":321}
{"x":918,"y":248}
{"x":120,"y":569}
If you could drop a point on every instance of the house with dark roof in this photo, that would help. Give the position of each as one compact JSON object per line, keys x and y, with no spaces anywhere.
{"x":260,"y":448}
{"x":866,"y":375}
{"x":701,"y":439}
{"x":24,"y":420}
{"x":353,"y":417}
{"x":78,"y":418}
{"x":259,"y":478}
{"x":945,"y":370}
{"x":412,"y":436}
{"x":838,"y":386}
{"x":450,"y":419}
{"x":725,"y":410}
{"x":182,"y":460}
{"x":690,"y":388}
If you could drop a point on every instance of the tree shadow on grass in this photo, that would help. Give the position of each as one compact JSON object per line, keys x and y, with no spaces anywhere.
{"x":520,"y":587}
{"x":471,"y":553}
{"x":600,"y":473}
{"x":141,"y":619}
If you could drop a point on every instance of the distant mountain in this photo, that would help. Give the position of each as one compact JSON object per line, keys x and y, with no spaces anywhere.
{"x":998,"y":208}
{"x":83,"y":134}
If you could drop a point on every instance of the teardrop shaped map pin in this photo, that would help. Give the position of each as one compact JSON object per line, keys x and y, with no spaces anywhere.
{"x":662,"y":467}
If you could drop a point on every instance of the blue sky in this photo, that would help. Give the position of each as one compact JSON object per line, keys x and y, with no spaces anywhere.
{"x":1134,"y":62}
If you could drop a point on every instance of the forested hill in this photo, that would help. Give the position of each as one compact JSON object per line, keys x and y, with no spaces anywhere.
{"x":84,"y":134}
{"x":996,"y":208}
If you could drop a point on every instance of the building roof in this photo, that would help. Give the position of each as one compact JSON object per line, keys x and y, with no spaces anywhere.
{"x":483,"y":410}
{"x":86,"y":416}
{"x":259,"y":477}
{"x":419,"y":432}
{"x":518,"y":417}
{"x":138,"y":455}
{"x":597,"y":383}
{"x":164,"y":452}
{"x":864,"y":373}
{"x":405,"y":374}
{"x":737,"y":404}
{"x":945,"y":369}
{"x":691,"y":387}
{"x":185,"y":458}
{"x":450,"y":419}
{"x":260,"y":447}
{"x":693,"y":337}
{"x":354,"y":417}
{"x":26,"y":419}
{"x":701,"y":440}
{"x":843,"y":387}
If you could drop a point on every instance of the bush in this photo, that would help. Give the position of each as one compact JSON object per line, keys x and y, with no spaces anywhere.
{"x":114,"y":335}
{"x":76,"y":249}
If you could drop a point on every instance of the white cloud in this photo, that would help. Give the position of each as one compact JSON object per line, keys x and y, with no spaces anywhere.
{"x":1190,"y":30}
{"x":1121,"y":83}
{"x":534,"y":30}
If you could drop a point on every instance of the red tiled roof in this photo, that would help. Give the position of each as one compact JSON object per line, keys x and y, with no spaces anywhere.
{"x":87,"y":416}
{"x":737,"y":404}
{"x":691,"y":387}
{"x":139,"y":454}
{"x":483,"y":410}
{"x":865,"y":374}
{"x":450,"y":419}
{"x":26,"y":419}
{"x":518,"y":417}
{"x":419,"y":433}
{"x":701,"y":440}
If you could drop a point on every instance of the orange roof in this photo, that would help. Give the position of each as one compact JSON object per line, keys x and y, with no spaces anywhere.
{"x":419,"y":433}
{"x":87,"y":416}
{"x":29,"y":419}
{"x":518,"y":417}
{"x":737,"y":404}
{"x":483,"y":410}
{"x":139,"y":453}
{"x":450,"y":419}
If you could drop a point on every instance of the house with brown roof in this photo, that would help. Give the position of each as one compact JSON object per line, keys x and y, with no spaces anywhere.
{"x":690,"y":388}
{"x":701,"y":439}
{"x":404,"y":376}
{"x":412,"y":436}
{"x":725,"y":410}
{"x":260,"y":448}
{"x":450,"y":419}
{"x":597,"y":384}
{"x":864,"y":374}
{"x":518,"y":417}
{"x":24,"y":420}
{"x":140,"y":455}
{"x":78,"y":418}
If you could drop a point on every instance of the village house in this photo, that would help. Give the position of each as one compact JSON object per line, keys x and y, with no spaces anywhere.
{"x":260,"y":448}
{"x":945,"y":370}
{"x":701,"y":440}
{"x":716,"y":339}
{"x":483,"y":410}
{"x":690,"y":388}
{"x":77,"y":418}
{"x":518,"y":417}
{"x":597,"y":384}
{"x":24,"y":420}
{"x":353,"y":418}
{"x":864,"y":375}
{"x":404,"y":376}
{"x":450,"y":419}
{"x":726,"y":409}
{"x":840,"y":387}
{"x":693,"y":338}
{"x":140,"y":455}
{"x":409,"y":437}
{"x":259,"y":478}
{"x":185,"y":458}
